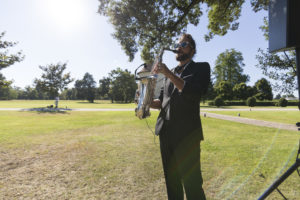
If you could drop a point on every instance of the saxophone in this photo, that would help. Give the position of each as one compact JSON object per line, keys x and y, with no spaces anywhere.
{"x":149,"y":86}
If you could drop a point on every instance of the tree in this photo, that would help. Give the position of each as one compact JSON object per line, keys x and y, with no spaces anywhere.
{"x":210,"y":94}
{"x":218,"y":101}
{"x":86,"y":88}
{"x":229,"y":67}
{"x":31,"y":93}
{"x":278,"y":96}
{"x":224,"y":90}
{"x":53,"y":79}
{"x":280,"y":67}
{"x":251,"y":101}
{"x":123,"y":85}
{"x":282,"y":102}
{"x":69,"y":94}
{"x":149,"y":25}
{"x":241,"y":91}
{"x":7,"y":59}
{"x":104,"y":85}
{"x":264,"y":89}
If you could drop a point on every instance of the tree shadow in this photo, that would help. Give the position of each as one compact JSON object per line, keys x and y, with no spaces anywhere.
{"x":81,"y":102}
{"x":48,"y":110}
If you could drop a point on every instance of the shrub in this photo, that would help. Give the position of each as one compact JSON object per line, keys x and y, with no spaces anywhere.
{"x":211,"y":103}
{"x":219,"y":101}
{"x":251,"y":101}
{"x":282,"y":102}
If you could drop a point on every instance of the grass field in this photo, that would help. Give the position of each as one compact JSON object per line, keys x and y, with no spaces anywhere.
{"x":113,"y":155}
{"x":97,"y":104}
{"x":281,"y":116}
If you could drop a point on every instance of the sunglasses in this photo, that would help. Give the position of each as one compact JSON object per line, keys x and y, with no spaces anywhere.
{"x":181,"y":44}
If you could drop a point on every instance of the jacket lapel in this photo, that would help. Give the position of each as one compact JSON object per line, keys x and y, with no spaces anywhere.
{"x":185,"y":72}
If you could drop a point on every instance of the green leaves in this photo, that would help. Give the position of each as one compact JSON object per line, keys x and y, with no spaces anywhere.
{"x":86,"y":88}
{"x":264,"y":90}
{"x":53,"y":79}
{"x":149,"y":25}
{"x":119,"y":86}
{"x":7,"y":59}
{"x":223,"y":16}
{"x":229,"y":67}
{"x":280,"y":67}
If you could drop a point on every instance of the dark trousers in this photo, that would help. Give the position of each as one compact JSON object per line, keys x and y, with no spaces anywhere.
{"x":181,"y":164}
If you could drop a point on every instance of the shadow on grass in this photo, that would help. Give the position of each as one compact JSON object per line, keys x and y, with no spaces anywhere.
{"x":48,"y":110}
{"x":116,"y":102}
{"x":82,"y":102}
{"x":223,"y":107}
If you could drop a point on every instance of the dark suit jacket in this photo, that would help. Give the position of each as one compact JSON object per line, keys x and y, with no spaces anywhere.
{"x":181,"y":110}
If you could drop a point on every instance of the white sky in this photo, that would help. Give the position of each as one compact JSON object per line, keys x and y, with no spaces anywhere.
{"x":51,"y":31}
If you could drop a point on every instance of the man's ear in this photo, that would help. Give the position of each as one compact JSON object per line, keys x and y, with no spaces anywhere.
{"x":193,"y":52}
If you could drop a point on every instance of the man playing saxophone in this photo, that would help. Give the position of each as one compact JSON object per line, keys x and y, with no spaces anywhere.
{"x":178,"y":124}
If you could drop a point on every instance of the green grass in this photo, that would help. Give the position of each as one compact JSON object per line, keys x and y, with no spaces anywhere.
{"x":285,"y":116}
{"x":113,"y":155}
{"x":63,"y":104}
{"x":97,"y":104}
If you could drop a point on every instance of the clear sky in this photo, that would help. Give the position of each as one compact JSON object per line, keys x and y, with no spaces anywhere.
{"x":51,"y":31}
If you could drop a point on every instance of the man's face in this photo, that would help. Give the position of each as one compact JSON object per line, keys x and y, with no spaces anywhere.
{"x":185,"y":51}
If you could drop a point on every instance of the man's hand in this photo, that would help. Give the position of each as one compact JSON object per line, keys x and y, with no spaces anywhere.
{"x":161,"y":68}
{"x":156,"y":104}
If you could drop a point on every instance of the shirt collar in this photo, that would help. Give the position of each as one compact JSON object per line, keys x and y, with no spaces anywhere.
{"x":182,"y":67}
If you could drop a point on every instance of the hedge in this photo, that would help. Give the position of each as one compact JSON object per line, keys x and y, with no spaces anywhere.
{"x":258,"y":103}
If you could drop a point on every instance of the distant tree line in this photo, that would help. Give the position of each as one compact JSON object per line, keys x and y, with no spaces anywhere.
{"x":119,"y":86}
{"x":230,"y":83}
{"x":228,"y":80}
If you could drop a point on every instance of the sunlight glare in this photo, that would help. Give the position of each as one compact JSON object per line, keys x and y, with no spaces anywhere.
{"x":68,"y":15}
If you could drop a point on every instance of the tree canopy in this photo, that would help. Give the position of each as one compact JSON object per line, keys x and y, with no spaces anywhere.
{"x":229,"y":67}
{"x":224,"y":90}
{"x":86,"y":88}
{"x":122,"y":86}
{"x":264,"y":89}
{"x":104,"y":85}
{"x":53,"y":79}
{"x":149,"y":25}
{"x":280,"y":67}
{"x":7,"y":59}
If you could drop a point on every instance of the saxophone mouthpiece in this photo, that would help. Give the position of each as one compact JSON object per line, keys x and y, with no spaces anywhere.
{"x":173,"y":50}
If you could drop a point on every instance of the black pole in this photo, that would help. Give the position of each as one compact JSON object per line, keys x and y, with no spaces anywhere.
{"x":298,"y":72}
{"x":280,"y":180}
{"x":295,"y":166}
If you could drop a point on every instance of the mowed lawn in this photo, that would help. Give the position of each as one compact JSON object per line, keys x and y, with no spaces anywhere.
{"x":281,"y":116}
{"x":114,"y":155}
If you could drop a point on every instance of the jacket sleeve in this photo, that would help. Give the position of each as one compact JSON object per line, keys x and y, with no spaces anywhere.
{"x":161,"y":95}
{"x":196,"y":84}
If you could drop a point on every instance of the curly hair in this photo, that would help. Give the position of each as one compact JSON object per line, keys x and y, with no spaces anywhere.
{"x":190,"y":39}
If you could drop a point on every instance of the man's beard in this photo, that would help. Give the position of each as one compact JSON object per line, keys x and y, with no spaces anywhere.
{"x":182,"y":57}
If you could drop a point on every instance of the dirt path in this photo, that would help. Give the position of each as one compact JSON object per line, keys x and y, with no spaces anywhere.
{"x":254,"y":122}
